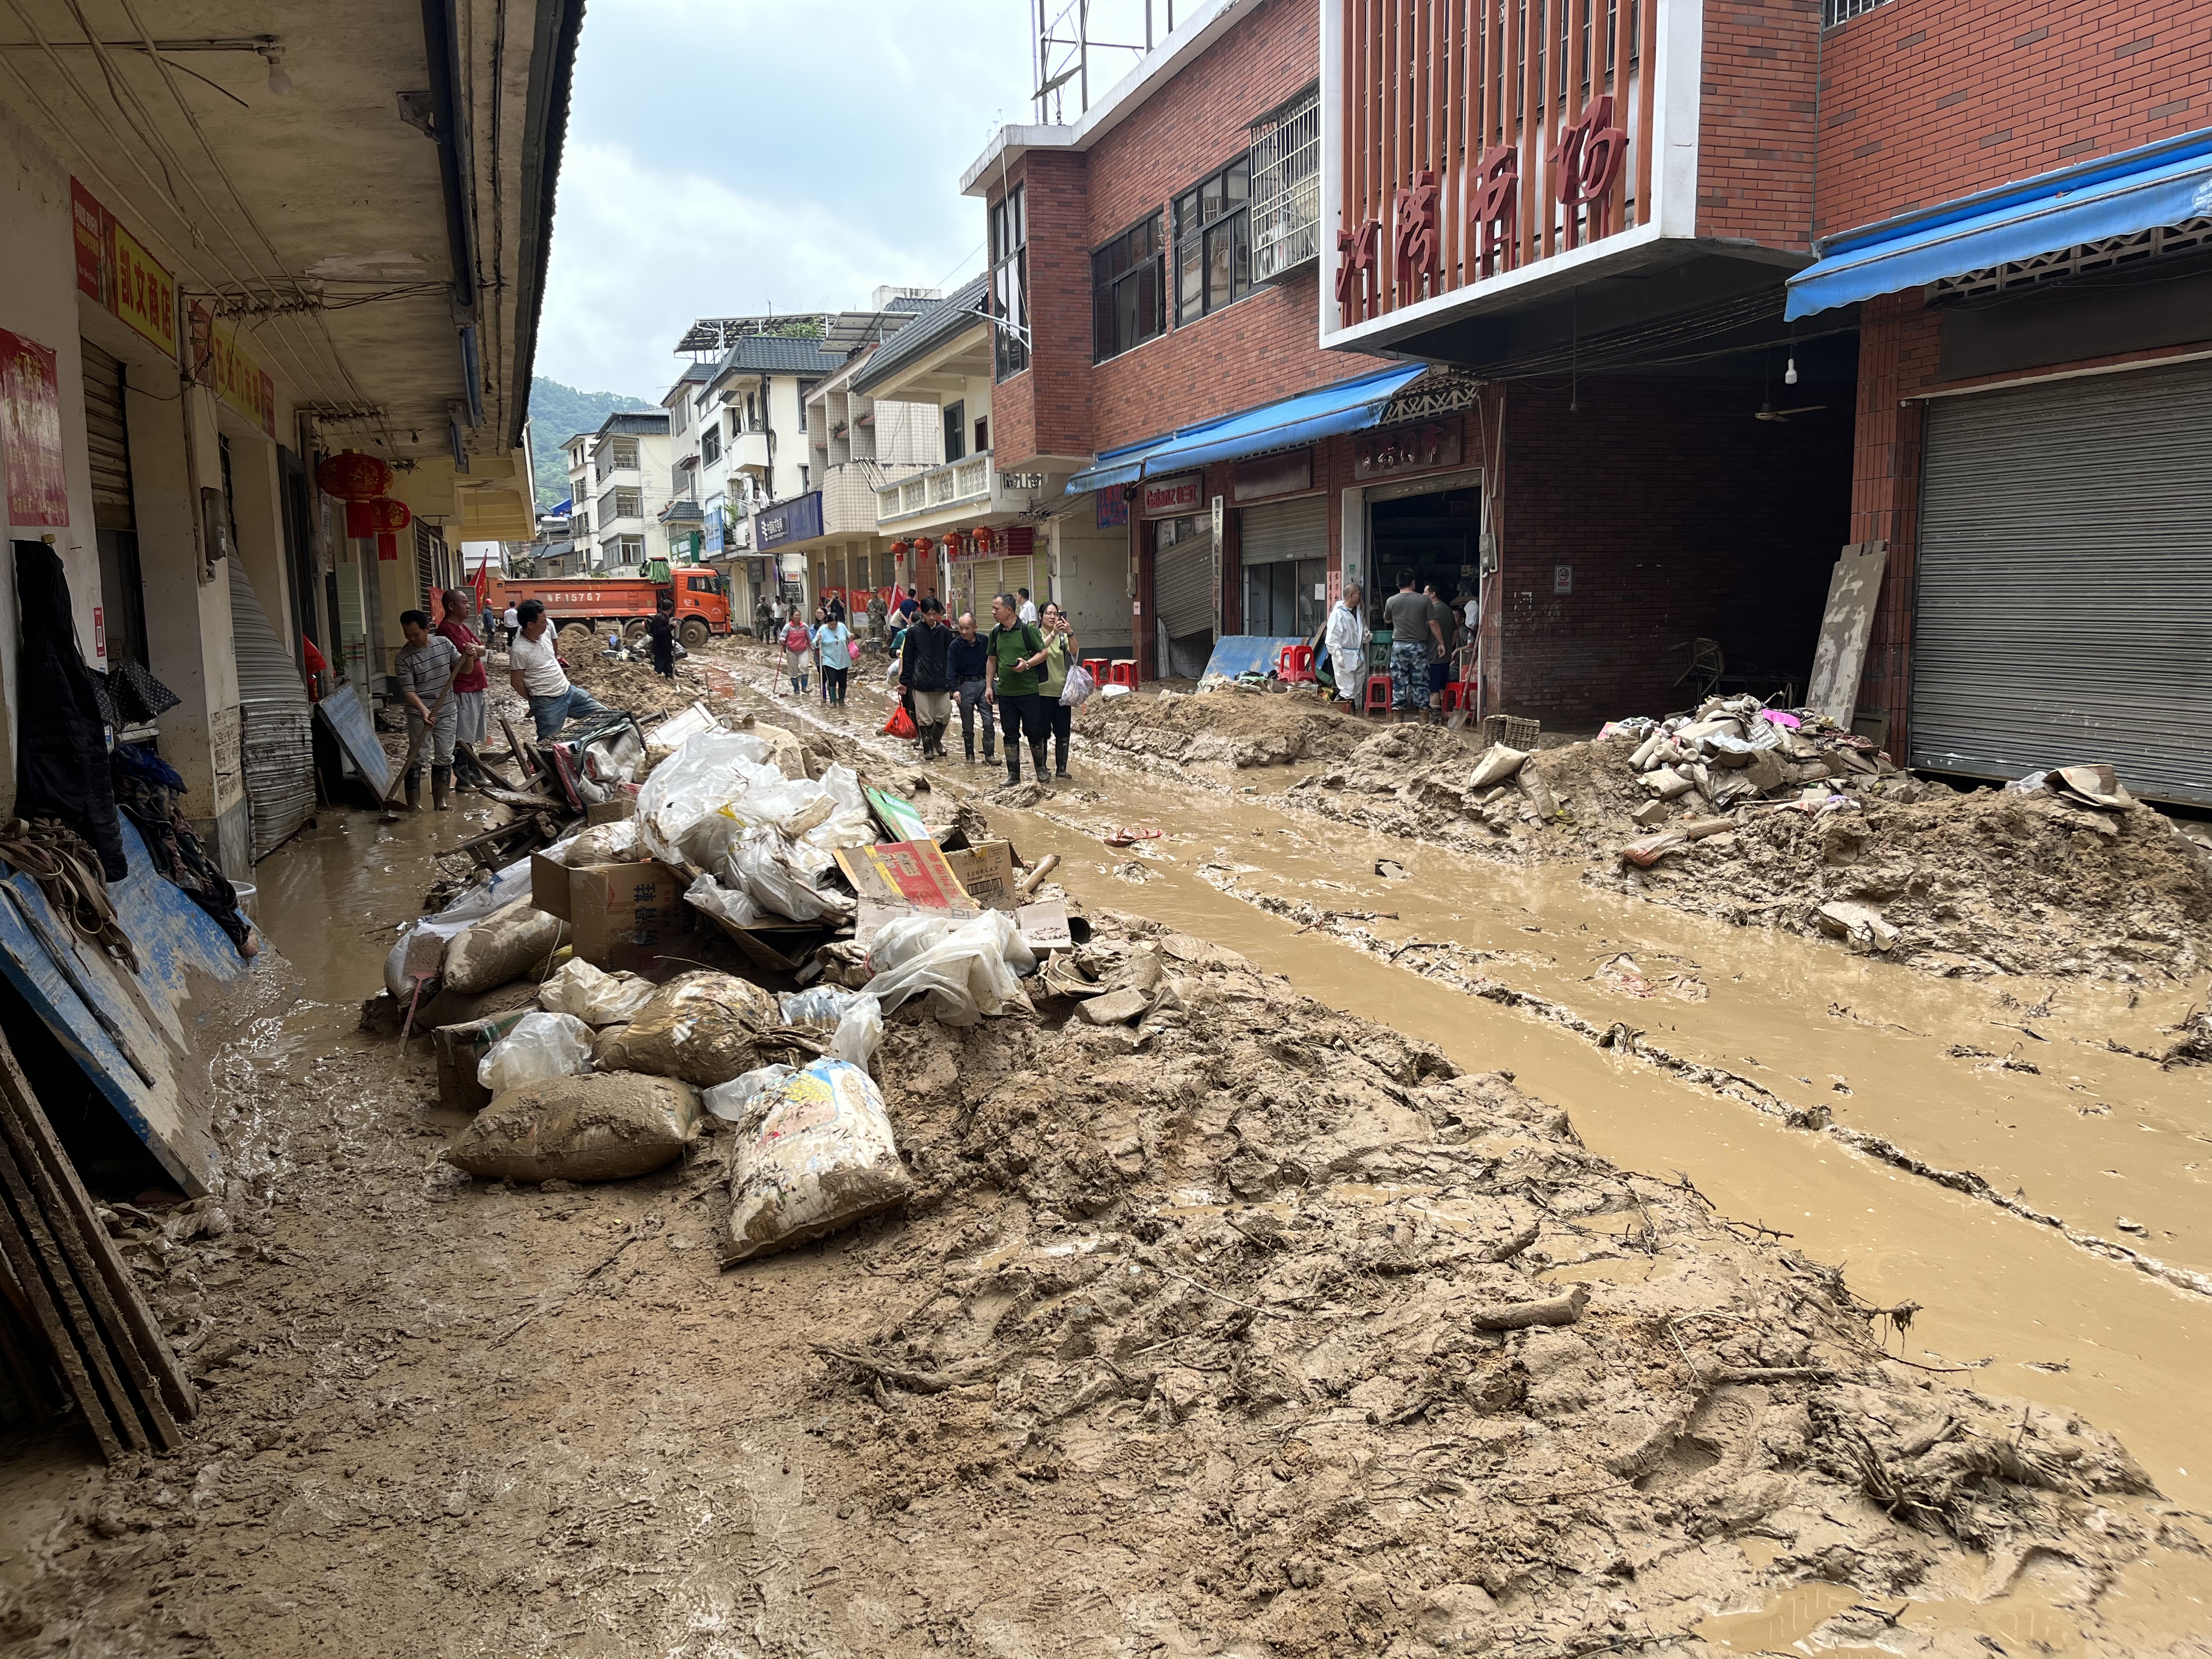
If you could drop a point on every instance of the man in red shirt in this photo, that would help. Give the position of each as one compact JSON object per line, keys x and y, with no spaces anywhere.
{"x":468,"y":697}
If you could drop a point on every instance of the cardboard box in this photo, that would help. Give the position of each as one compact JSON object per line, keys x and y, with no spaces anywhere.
{"x":913,"y":874}
{"x":625,"y":915}
{"x":549,"y":886}
{"x":623,"y":806}
{"x":987,"y":872}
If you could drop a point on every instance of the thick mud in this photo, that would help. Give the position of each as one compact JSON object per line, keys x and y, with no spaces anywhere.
{"x":1193,"y":1342}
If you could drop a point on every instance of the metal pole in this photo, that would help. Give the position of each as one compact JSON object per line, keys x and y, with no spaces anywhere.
{"x":1083,"y":47}
{"x":1148,"y":25}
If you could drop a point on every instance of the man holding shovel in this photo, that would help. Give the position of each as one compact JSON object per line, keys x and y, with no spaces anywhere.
{"x":426,"y":669}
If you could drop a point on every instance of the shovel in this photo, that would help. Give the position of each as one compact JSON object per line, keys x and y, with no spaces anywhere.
{"x":426,"y":955}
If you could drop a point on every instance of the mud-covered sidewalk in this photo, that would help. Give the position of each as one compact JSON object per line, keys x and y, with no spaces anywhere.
{"x":1243,"y":1325}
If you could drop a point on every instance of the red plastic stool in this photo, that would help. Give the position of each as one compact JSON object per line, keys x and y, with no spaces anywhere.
{"x":1122,"y":672}
{"x":1378,"y":694}
{"x":1096,"y":667}
{"x":1294,"y":666}
{"x":1454,"y":696}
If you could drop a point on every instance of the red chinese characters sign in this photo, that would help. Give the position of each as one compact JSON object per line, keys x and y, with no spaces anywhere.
{"x":31,"y":433}
{"x":112,"y":268}
{"x":219,"y":362}
{"x":1172,"y":498}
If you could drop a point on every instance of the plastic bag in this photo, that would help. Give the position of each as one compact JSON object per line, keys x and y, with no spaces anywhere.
{"x":731,"y":1101}
{"x":854,"y":1018}
{"x":541,"y":1046}
{"x":1079,"y":686}
{"x":595,"y":997}
{"x":779,"y":873}
{"x":685,"y":793}
{"x":737,"y":908}
{"x":510,"y":944}
{"x":471,"y":906}
{"x":815,"y":1153}
{"x":967,"y":971}
{"x":606,"y":1127}
{"x":900,"y":725}
{"x":702,"y":1028}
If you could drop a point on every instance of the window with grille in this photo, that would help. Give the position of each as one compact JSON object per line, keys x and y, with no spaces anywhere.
{"x":1285,"y":208}
{"x":1128,"y":279}
{"x":1213,"y":242}
{"x":1842,"y":11}
{"x":1010,"y":283}
{"x":710,"y":444}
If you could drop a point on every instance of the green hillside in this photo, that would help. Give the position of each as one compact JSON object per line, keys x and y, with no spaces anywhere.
{"x":558,"y":413}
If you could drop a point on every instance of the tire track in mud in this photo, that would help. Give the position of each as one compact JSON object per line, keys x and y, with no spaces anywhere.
{"x":1448,"y":964}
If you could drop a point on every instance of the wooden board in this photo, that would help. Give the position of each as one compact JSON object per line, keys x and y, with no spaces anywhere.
{"x":351,"y":725}
{"x":1845,"y":627}
{"x":22,"y":1237}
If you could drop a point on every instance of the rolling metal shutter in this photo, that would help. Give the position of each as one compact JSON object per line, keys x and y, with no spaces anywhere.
{"x":1281,"y":530}
{"x":1183,"y":587}
{"x":279,"y":746}
{"x":2064,"y":585}
{"x":106,"y":442}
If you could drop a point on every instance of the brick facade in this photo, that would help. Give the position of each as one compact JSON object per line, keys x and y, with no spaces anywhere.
{"x":1756,"y":137}
{"x":1680,"y":515}
{"x":1923,"y":101}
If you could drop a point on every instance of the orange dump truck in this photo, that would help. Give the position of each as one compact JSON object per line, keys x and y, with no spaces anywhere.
{"x":590,"y":603}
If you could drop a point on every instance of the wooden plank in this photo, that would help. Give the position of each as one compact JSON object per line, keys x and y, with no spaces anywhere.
{"x":99,"y":1264}
{"x":18,"y":1241}
{"x":1846,"y":625}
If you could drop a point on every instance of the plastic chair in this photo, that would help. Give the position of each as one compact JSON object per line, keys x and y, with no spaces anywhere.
{"x":1294,"y":666}
{"x":1122,"y":672}
{"x":1378,"y":695}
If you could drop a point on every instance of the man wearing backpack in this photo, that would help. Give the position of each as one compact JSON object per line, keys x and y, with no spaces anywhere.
{"x":1016,"y":652}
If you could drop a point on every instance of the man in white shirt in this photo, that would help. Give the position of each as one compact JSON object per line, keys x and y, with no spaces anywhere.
{"x":534,"y":672}
{"x":1345,"y":641}
{"x":512,"y":624}
{"x":1027,"y":609}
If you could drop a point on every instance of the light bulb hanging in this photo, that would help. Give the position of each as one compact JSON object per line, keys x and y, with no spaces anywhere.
{"x":1790,"y":374}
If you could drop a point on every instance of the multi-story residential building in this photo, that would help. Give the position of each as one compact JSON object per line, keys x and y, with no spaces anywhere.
{"x":862,"y":444}
{"x":627,"y":473}
{"x":683,"y":517}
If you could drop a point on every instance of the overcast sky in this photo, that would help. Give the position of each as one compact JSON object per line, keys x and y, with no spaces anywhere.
{"x":732,"y":156}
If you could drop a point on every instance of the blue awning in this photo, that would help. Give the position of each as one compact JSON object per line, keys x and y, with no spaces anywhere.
{"x":1347,"y":406}
{"x":2161,"y":183}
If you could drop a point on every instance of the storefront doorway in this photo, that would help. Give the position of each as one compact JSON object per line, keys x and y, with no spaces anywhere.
{"x":1436,"y":533}
{"x":1184,"y":580}
{"x":1283,"y":547}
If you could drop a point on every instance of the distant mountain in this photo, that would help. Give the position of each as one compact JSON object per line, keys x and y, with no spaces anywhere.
{"x":558,"y":413}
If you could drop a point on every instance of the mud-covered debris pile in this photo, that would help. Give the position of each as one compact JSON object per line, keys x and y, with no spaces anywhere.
{"x":1227,"y":728}
{"x":1344,"y":1350}
{"x":2041,"y":880}
{"x":630,"y":684}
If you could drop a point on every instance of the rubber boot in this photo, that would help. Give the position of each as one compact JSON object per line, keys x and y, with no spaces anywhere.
{"x":414,"y":791}
{"x":1039,"y":751}
{"x":1059,"y":754}
{"x":442,"y":788}
{"x":1013,"y":761}
{"x":936,"y":736}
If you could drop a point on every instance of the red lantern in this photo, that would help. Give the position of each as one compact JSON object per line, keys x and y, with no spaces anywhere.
{"x":983,"y":538}
{"x":376,"y":518}
{"x":921,"y":545}
{"x":354,"y":477}
{"x":898,"y":549}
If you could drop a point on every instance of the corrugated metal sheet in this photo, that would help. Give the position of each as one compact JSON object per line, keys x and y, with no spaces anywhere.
{"x":1182,"y":585}
{"x":279,"y":743}
{"x":2064,"y":595}
{"x":1280,"y":531}
{"x":106,"y":442}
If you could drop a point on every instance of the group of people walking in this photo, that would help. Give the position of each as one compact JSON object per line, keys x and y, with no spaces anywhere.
{"x":1016,"y":669}
{"x":824,"y":648}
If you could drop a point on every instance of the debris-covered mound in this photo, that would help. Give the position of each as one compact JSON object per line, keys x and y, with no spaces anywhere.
{"x":631,"y":685}
{"x":1352,"y":1352}
{"x":1988,"y":881}
{"x":1237,"y":728}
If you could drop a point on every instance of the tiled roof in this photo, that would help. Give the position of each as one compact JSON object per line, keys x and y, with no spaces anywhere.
{"x":918,"y":338}
{"x":776,"y":354}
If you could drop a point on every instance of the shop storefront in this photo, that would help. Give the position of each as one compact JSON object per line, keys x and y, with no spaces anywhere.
{"x":1282,"y":545}
{"x":1186,"y":572}
{"x":1010,"y":565}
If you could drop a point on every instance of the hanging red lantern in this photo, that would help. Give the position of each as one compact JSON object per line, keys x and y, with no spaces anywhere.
{"x":898,"y":549}
{"x":354,"y":477}
{"x":921,"y":545}
{"x":378,"y":517}
{"x":983,"y":538}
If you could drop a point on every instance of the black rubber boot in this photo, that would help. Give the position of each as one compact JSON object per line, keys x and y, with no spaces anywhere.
{"x":1013,"y":764}
{"x":442,"y":788}
{"x":1038,"y":752}
{"x":1059,"y":753}
{"x":414,"y":791}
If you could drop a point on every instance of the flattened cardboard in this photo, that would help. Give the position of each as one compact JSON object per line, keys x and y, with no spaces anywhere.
{"x":908,"y":875}
{"x":987,"y":871}
{"x":549,"y":886}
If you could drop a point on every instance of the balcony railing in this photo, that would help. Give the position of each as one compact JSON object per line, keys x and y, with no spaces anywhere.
{"x":956,"y":484}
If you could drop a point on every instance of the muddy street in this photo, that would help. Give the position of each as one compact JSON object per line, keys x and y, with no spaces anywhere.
{"x":1104,"y":1385}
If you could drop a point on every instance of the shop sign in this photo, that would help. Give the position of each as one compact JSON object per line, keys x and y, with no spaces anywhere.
{"x":1273,"y":475}
{"x":1405,"y":449}
{"x":1113,"y":507}
{"x":31,"y":433}
{"x":757,"y":572}
{"x":1029,"y":481}
{"x":114,"y":269}
{"x":1175,"y":497}
{"x":713,"y":532}
{"x":794,"y":521}
{"x":220,"y":363}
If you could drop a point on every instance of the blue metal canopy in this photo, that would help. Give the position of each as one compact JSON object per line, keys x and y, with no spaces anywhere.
{"x":1347,"y":406}
{"x":2161,"y":183}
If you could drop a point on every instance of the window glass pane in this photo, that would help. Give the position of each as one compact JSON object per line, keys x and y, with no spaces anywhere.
{"x":1021,"y":216}
{"x":1102,"y":323}
{"x":1186,"y":216}
{"x":1190,"y":280}
{"x":1218,"y":266}
{"x":1150,"y":313}
{"x":1239,"y":181}
{"x":1239,"y":231}
{"x":1210,"y":199}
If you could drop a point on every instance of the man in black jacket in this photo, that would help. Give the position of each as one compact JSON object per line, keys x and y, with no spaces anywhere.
{"x":924,"y":670}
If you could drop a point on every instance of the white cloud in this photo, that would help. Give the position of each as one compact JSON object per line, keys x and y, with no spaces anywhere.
{"x":728,"y":156}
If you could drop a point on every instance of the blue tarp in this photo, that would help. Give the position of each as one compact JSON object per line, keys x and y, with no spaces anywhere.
{"x":1244,"y":654}
{"x":1347,"y":406}
{"x":2162,"y":183}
